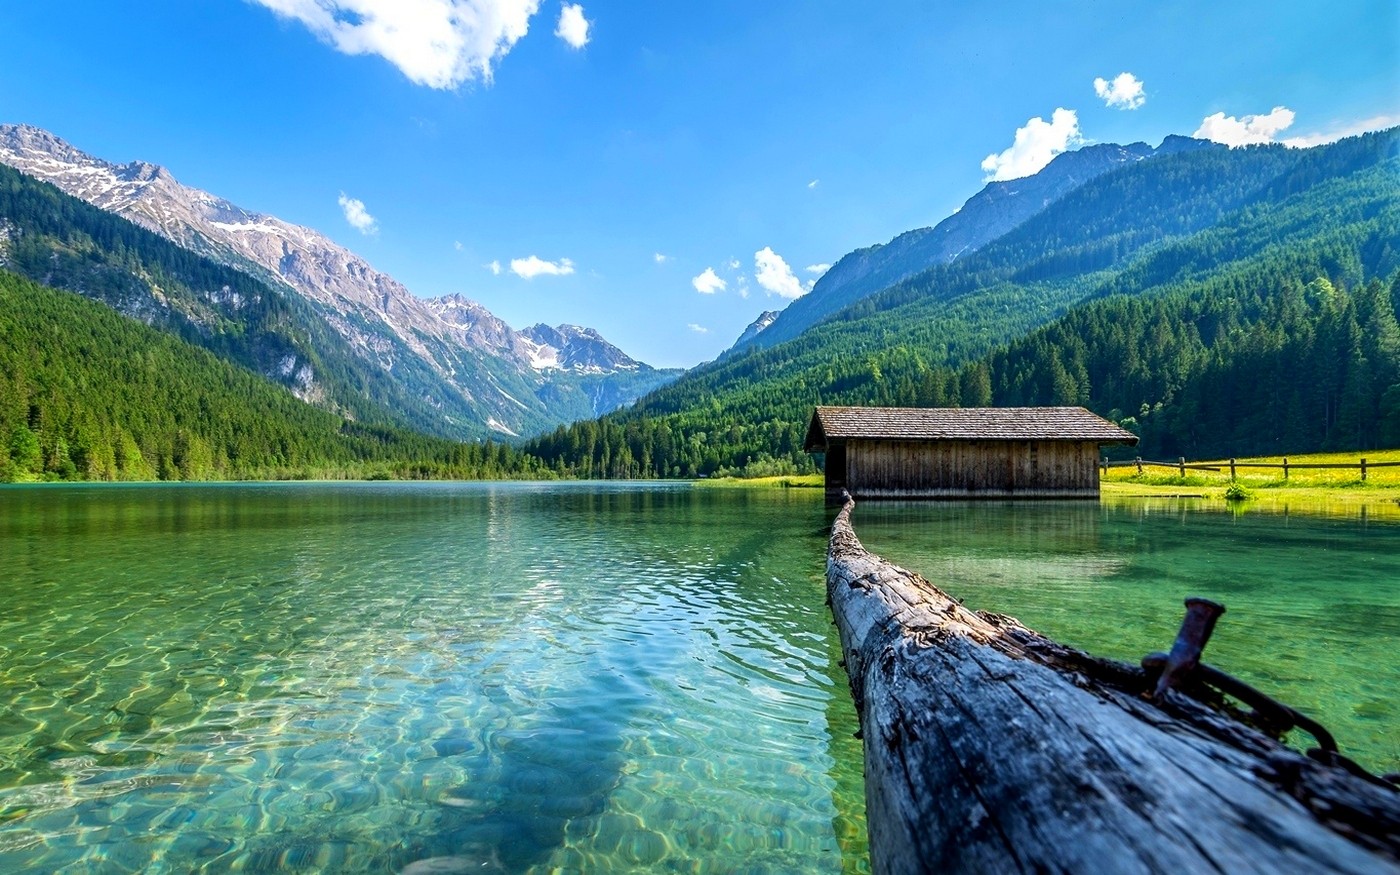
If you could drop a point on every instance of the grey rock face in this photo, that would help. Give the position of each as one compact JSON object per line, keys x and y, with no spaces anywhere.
{"x":471,"y":352}
{"x":575,"y":348}
{"x":764,"y":319}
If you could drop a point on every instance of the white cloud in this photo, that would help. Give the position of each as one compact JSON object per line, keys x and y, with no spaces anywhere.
{"x":698,"y":329}
{"x":1246,"y":130}
{"x":457,"y":245}
{"x":534,"y":266}
{"x":1352,"y":129}
{"x":734,"y":264}
{"x":437,"y":43}
{"x":573,"y":27}
{"x":494,"y":267}
{"x":356,"y":214}
{"x":1035,"y":145}
{"x":817,"y":268}
{"x":660,"y":259}
{"x":708,"y":282}
{"x":813,"y":183}
{"x":774,"y":275}
{"x":1124,"y":92}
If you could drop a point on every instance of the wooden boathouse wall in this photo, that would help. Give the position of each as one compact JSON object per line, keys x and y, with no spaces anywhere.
{"x":951,"y":453}
{"x":959,"y":469}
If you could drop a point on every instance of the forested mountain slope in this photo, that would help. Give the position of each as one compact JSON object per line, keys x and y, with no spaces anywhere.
{"x":60,"y":241}
{"x":1257,"y":362}
{"x":962,"y":310}
{"x":1217,"y":223}
{"x":994,"y":211}
{"x":86,"y":393}
{"x":445,"y":365}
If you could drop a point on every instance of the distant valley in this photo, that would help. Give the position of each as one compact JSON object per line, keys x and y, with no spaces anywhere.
{"x":1213,"y":300}
{"x":460,"y":371}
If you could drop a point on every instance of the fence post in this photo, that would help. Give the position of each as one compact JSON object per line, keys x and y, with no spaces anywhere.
{"x":1363,"y":469}
{"x":1105,"y":466}
{"x":1232,"y":470}
{"x":1285,"y":467}
{"x":1181,"y":462}
{"x":1138,"y":460}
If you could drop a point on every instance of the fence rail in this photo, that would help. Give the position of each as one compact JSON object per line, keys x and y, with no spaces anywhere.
{"x":1183,"y":466}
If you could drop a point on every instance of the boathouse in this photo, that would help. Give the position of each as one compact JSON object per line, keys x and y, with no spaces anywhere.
{"x":962,"y":452}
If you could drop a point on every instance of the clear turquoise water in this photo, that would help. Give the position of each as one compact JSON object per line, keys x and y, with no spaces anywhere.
{"x":1312,"y":601}
{"x":493,"y":678}
{"x":578,"y":677}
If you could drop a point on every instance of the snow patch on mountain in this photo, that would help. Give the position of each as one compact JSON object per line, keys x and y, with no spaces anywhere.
{"x":453,"y":337}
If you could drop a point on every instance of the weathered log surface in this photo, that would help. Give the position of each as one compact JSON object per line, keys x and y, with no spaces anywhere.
{"x":989,"y":748}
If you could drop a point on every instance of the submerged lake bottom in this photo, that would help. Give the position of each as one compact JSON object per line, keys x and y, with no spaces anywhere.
{"x":565,"y":677}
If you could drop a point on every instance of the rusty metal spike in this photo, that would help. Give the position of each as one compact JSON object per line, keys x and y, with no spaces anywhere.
{"x":1185,"y":655}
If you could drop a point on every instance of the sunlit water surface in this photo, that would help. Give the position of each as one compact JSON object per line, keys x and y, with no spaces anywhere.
{"x":1312,"y":600}
{"x":422,"y":678}
{"x":554,"y":678}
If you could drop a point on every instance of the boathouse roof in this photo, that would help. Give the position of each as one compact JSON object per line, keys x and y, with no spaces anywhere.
{"x":961,"y":424}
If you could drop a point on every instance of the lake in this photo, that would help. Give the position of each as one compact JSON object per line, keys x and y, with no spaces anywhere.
{"x":565,"y":677}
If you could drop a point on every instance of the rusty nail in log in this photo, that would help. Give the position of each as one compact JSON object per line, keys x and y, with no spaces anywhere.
{"x":1196,"y":627}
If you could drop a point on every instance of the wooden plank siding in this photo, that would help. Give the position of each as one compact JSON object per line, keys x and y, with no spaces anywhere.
{"x":972,"y":469}
{"x":961,"y":452}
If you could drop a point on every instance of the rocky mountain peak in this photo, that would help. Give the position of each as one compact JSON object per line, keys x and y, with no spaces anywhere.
{"x":763,"y":321}
{"x":458,"y":310}
{"x":574,"y":347}
{"x":143,"y":171}
{"x":1177,"y":143}
{"x":27,"y":138}
{"x":452,"y":342}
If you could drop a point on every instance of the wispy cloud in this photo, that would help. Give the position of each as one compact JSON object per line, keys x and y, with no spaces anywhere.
{"x":698,"y":329}
{"x":1035,"y":145}
{"x":814,"y":183}
{"x":774,"y":275}
{"x":1124,"y":92}
{"x":573,"y":27}
{"x":494,"y":267}
{"x":817,"y":268}
{"x":457,"y":245}
{"x":735,"y":264}
{"x":437,"y":43}
{"x":1349,"y":129}
{"x":534,"y":266}
{"x":708,"y":282}
{"x":659,"y":258}
{"x":1246,"y":130}
{"x":356,"y":214}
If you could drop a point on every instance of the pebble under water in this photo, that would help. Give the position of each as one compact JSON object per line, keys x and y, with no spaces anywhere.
{"x":431,"y":678}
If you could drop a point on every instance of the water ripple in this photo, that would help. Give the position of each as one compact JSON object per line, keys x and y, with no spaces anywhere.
{"x":419,"y":679}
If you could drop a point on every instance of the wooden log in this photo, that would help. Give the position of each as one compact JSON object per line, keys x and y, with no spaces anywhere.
{"x":990,"y":748}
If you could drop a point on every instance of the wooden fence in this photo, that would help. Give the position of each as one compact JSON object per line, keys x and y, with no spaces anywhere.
{"x":1183,"y":466}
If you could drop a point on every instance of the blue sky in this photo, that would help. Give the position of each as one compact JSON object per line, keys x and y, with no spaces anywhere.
{"x":662,"y":140}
